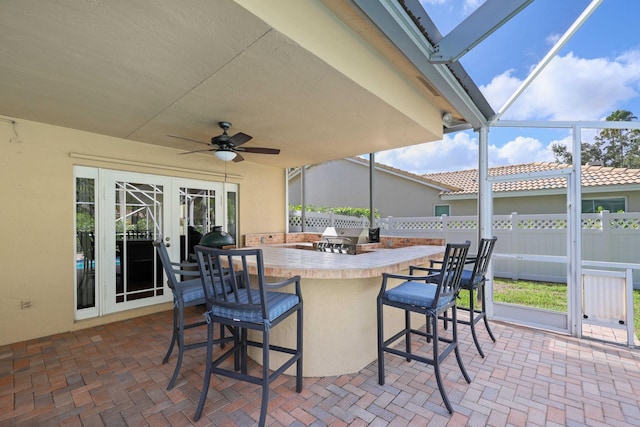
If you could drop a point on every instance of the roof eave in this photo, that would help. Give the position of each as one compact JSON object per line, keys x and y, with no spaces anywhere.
{"x":410,"y":29}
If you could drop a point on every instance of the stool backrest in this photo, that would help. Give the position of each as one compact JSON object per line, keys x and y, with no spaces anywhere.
{"x":485,"y":250}
{"x":450,"y":275}
{"x":175,"y":271}
{"x":237,"y":265}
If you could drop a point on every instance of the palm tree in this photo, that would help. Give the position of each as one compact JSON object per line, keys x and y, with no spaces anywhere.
{"x":619,"y":147}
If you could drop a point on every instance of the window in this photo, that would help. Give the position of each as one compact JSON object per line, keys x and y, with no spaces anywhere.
{"x":85,"y":260}
{"x":612,"y":205}
{"x":440,"y":210}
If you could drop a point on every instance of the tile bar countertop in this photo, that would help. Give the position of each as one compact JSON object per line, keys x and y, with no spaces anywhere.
{"x":287,"y":261}
{"x":339,"y":293}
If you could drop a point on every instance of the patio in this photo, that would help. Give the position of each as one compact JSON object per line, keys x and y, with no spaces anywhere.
{"x":112,"y":375}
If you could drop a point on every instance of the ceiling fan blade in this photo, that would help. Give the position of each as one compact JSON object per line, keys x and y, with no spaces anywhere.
{"x":198,"y":151}
{"x":238,"y":158}
{"x":187,"y":139}
{"x":259,"y":150}
{"x":239,"y":139}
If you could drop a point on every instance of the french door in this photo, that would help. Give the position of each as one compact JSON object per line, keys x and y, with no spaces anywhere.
{"x":120,"y":214}
{"x":138,"y":211}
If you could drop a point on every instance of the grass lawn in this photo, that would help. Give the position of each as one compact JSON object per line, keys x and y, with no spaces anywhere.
{"x":551,"y":296}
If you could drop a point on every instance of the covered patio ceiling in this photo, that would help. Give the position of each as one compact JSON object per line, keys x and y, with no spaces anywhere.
{"x":143,"y":70}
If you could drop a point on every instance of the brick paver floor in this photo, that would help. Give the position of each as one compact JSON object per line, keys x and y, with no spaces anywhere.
{"x":112,"y":375}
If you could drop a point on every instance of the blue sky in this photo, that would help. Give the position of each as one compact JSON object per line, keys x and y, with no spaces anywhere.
{"x":595,"y":73}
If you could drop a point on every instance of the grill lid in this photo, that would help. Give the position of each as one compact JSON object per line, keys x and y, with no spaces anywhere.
{"x":346,"y":236}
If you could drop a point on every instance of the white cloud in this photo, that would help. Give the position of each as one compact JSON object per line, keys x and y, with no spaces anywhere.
{"x":460,"y":151}
{"x":552,"y":39}
{"x":570,"y":88}
{"x":520,"y":150}
{"x":455,"y":152}
{"x":500,"y":89}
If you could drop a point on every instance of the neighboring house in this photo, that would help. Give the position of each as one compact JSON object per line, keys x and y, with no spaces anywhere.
{"x":603,"y":188}
{"x":345,"y":182}
{"x":403,"y":194}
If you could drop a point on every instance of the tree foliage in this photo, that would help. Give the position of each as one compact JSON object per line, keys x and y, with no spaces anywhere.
{"x":611,"y":147}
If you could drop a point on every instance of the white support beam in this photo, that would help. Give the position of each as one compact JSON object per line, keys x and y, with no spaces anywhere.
{"x":490,"y":16}
{"x":574,"y":237}
{"x":566,"y":124}
{"x":549,"y":56}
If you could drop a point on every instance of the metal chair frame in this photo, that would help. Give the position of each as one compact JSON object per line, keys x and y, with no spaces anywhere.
{"x":446,"y":282}
{"x":173,"y":271}
{"x":474,"y":283}
{"x":246,"y":308}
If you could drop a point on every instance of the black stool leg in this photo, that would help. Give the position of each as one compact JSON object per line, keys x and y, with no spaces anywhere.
{"x":178,"y":335}
{"x":472,"y":321}
{"x":407,"y":323}
{"x":265,"y":378}
{"x":456,"y":349}
{"x":207,"y":372}
{"x":380,"y":344}
{"x":484,"y":313}
{"x":299,"y":347}
{"x":174,"y":337}
{"x":436,"y":362}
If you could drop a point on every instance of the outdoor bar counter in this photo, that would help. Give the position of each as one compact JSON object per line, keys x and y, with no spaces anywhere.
{"x":339,"y":293}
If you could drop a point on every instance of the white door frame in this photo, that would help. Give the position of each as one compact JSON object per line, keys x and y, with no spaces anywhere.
{"x":105,"y":251}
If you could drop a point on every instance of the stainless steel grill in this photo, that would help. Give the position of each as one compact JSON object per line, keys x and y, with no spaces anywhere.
{"x":343,"y":240}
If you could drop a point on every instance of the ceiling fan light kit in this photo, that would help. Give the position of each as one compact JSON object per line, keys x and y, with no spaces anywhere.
{"x":226,"y":147}
{"x":225,"y":156}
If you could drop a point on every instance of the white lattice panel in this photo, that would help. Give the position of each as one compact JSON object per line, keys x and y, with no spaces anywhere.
{"x":542,"y":223}
{"x":462,"y":224}
{"x":625,"y":223}
{"x":413,"y":225}
{"x":502,"y":224}
{"x":591,"y":224}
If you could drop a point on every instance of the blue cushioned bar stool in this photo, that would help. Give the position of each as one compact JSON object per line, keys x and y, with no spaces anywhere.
{"x":474,"y":281}
{"x":252,"y":304}
{"x":430,"y":295}
{"x":185,"y":284}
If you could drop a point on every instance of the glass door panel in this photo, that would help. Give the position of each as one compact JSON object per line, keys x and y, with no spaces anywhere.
{"x":232,"y":211}
{"x":202,"y":205}
{"x":133,"y":273}
{"x":198,"y":215}
{"x":85,"y":260}
{"x":138,"y":223}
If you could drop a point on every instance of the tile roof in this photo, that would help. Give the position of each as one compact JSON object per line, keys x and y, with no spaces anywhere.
{"x":466,"y":181}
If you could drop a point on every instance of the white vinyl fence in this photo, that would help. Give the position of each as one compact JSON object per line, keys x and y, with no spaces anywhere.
{"x":606,"y":237}
{"x":316,"y":222}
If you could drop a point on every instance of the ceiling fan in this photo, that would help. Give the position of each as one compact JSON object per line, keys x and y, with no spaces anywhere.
{"x":226,"y":147}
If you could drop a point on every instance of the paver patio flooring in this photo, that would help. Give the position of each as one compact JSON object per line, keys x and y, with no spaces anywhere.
{"x":112,"y":375}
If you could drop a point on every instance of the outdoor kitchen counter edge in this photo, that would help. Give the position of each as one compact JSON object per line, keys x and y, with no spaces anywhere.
{"x":288,"y":260}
